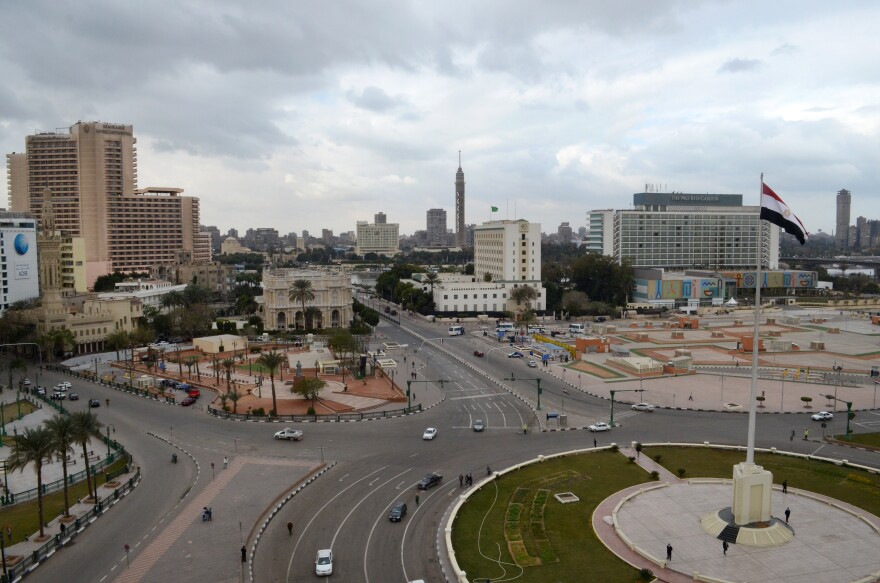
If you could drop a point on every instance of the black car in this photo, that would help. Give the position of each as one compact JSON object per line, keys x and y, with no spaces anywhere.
{"x":73,"y":397}
{"x":94,"y":403}
{"x":398,"y":511}
{"x":429,"y":481}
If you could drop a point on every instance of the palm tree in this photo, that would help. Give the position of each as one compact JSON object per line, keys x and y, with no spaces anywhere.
{"x":85,"y":425}
{"x":302,"y":292}
{"x":272,"y":360}
{"x":228,"y":365}
{"x":432,"y":278}
{"x":487,"y":277}
{"x":34,"y":446}
{"x":61,"y":429}
{"x":117,"y":340}
{"x":234,"y":396}
{"x":17,"y":363}
{"x":312,"y":314}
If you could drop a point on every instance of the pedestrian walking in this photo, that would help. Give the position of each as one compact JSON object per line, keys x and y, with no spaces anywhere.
{"x":243,"y":554}
{"x":691,"y":397}
{"x":8,"y":533}
{"x":460,"y":480}
{"x":725,"y":546}
{"x":290,"y":528}
{"x":806,"y":433}
{"x":787,"y":514}
{"x":108,"y":402}
{"x":792,"y":436}
{"x":595,"y":443}
{"x":210,"y":513}
{"x":417,"y":499}
{"x":785,"y":486}
{"x":668,"y":552}
{"x":470,"y":480}
{"x":225,"y":462}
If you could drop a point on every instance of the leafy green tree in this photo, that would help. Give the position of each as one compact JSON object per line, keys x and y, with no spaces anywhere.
{"x":602,"y":279}
{"x":271,"y":361}
{"x":312,"y":317}
{"x":34,"y":446}
{"x":16,"y":364}
{"x":61,"y":428}
{"x":523,"y":294}
{"x":308,"y":388}
{"x":575,"y":302}
{"x":116,"y":341}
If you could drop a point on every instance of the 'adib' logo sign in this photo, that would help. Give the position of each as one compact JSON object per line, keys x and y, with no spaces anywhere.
{"x":21,"y":244}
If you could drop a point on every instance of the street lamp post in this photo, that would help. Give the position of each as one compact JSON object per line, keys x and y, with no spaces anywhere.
{"x":849,"y":412}
{"x":108,"y":437}
{"x":782,"y":398}
{"x":538,"y":383}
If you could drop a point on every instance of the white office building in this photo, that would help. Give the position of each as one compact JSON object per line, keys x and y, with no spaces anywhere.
{"x":685,"y":231}
{"x":379,"y":238}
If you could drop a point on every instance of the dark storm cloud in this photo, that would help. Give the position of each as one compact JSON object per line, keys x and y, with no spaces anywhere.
{"x":739,"y":65}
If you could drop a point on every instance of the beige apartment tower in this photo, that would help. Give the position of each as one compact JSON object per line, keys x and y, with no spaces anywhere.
{"x":92,"y":173}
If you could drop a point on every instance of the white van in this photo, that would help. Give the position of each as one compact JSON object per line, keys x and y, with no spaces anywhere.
{"x":576,"y":329}
{"x":456,"y":330}
{"x":505,"y":327}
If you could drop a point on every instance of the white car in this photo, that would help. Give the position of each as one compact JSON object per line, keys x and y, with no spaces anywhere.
{"x":430,"y":433}
{"x":600,"y":426}
{"x":289,"y":434}
{"x":533,"y":364}
{"x":823,"y":416}
{"x":324,"y":563}
{"x":643,"y":407}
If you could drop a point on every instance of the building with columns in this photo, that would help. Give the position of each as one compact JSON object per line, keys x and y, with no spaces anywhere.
{"x":332,"y":290}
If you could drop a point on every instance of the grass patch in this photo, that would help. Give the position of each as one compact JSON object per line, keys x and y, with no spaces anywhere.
{"x":557,"y":539}
{"x":872,"y":439}
{"x":24,"y":518}
{"x":848,"y":484}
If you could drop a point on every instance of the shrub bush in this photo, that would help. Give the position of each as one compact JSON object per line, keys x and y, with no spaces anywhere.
{"x":646,"y":574}
{"x":657,"y":458}
{"x":680,"y":472}
{"x":655,"y":475}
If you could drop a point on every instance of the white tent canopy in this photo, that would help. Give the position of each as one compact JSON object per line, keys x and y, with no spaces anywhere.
{"x":732,"y":302}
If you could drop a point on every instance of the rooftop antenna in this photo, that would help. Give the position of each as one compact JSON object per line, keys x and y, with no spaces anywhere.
{"x":459,"y":158}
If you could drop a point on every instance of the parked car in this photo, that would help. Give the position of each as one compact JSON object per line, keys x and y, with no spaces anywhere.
{"x":73,"y":397}
{"x":41,"y":391}
{"x":398,"y":511}
{"x":428,"y":481}
{"x":289,"y":434}
{"x":430,"y":433}
{"x":479,"y":354}
{"x":600,"y":426}
{"x":58,"y":396}
{"x":187,"y":402}
{"x":533,"y":364}
{"x":515,"y":354}
{"x":478,"y":425}
{"x":26,"y":382}
{"x":94,"y":403}
{"x":393,"y":312}
{"x":643,"y":407}
{"x":324,"y":563}
{"x":823,"y":416}
{"x":193,"y":393}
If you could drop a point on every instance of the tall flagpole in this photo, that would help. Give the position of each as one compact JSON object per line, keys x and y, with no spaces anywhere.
{"x":750,"y":447}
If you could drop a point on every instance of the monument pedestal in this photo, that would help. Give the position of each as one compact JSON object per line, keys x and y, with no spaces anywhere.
{"x":752,"y":486}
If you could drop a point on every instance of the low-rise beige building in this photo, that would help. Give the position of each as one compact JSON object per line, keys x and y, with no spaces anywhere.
{"x":332,"y":290}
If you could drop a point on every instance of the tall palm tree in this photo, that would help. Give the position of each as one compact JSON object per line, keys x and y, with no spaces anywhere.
{"x":312,"y":315}
{"x":61,"y":429}
{"x":272,"y":360}
{"x":302,"y":292}
{"x":34,"y":446}
{"x":85,"y":425}
{"x":432,"y":278}
{"x":228,"y":365}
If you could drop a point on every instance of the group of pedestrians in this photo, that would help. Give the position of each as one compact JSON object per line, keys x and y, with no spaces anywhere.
{"x":465,"y":480}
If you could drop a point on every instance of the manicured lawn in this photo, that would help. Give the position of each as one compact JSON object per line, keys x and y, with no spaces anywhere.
{"x":872,"y":439}
{"x":540,"y":529}
{"x":10,"y":410}
{"x":24,"y":518}
{"x":851,"y":485}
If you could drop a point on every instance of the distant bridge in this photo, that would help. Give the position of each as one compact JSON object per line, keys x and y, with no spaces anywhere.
{"x":843,"y":263}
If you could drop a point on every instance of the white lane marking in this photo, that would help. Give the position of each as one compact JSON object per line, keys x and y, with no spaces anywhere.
{"x":410,"y":521}
{"x":370,"y":537}
{"x":398,"y":486}
{"x":342,"y":479}
{"x":362,"y":500}
{"x":482,"y":396}
{"x":303,"y":533}
{"x":503,"y":416}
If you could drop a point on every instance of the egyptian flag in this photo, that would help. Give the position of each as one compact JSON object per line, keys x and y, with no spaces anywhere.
{"x":774,"y":210}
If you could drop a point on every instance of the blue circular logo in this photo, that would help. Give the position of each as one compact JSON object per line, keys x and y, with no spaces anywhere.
{"x":21,"y":244}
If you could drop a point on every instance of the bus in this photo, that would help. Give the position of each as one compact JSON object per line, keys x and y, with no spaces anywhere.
{"x":504,"y":327}
{"x":456,"y":330}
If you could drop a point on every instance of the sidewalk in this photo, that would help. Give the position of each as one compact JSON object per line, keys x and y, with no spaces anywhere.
{"x":73,"y":526}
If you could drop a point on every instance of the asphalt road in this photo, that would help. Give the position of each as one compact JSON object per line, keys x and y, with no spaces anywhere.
{"x":379,"y":463}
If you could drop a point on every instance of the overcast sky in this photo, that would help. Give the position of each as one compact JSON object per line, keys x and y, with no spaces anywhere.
{"x":317,"y":114}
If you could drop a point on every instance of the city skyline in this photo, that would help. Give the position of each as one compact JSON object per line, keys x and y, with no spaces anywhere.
{"x":557,"y":110}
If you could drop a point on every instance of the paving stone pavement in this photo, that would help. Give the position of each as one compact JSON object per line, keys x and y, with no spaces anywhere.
{"x":189,"y":549}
